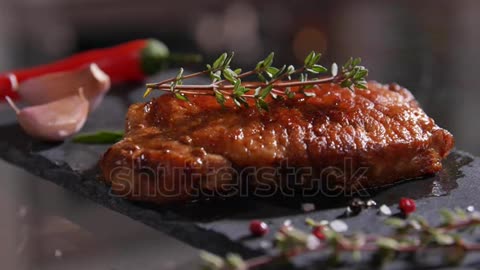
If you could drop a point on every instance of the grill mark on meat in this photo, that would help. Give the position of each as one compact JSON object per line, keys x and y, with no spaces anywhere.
{"x":394,"y":121}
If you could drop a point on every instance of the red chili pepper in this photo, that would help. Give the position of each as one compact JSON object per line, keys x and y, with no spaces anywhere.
{"x":131,"y":61}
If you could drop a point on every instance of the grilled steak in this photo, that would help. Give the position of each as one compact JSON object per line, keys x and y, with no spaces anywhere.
{"x":176,"y":150}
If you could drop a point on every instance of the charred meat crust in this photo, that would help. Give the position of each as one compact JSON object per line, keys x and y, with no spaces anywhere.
{"x":173,"y":149}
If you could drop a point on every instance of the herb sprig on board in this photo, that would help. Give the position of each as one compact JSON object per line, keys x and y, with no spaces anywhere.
{"x":408,"y":237}
{"x":277,"y":82}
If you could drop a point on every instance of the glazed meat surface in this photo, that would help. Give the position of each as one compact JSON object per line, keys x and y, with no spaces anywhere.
{"x":175,"y":150}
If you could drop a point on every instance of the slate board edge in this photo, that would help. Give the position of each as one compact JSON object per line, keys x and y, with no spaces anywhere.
{"x":190,"y":233}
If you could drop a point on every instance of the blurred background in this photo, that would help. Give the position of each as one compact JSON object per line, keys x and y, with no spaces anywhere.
{"x":430,"y":47}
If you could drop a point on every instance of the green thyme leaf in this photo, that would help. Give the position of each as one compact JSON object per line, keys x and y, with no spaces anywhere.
{"x":239,"y":101}
{"x":346,"y":84}
{"x":265,"y":63}
{"x":395,"y":222}
{"x":361,"y":84}
{"x":421,"y":221}
{"x":444,"y":239}
{"x":230,"y":75}
{"x":259,"y":66}
{"x":460,"y":213}
{"x":211,"y":261}
{"x":220,"y":61}
{"x":280,"y":72}
{"x":261,"y":77}
{"x":181,"y":96}
{"x":360,"y":74}
{"x":309,"y":94}
{"x":351,"y":75}
{"x":310,"y":222}
{"x":448,"y":216}
{"x":215,"y":76}
{"x":100,"y":137}
{"x":269,"y":60}
{"x":315,"y":59}
{"x":180,"y":74}
{"x":228,"y":60}
{"x":289,"y":93}
{"x":348,"y":63}
{"x":317,"y":69}
{"x":261,"y":104}
{"x":387,"y":243}
{"x":272,"y":71}
{"x":356,"y":61}
{"x":265,"y":91}
{"x":257,"y":91}
{"x":308,"y":59}
{"x":239,"y":90}
{"x":147,"y":92}
{"x":219,"y":97}
{"x":235,"y":262}
{"x":290,"y":70}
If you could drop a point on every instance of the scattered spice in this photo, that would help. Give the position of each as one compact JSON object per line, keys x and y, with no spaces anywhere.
{"x":308,"y":207}
{"x":265,"y":244}
{"x":407,"y":205}
{"x":339,"y":226}
{"x":287,"y":223}
{"x":258,"y":228}
{"x":356,"y":206}
{"x":385,"y":210}
{"x":371,"y":203}
{"x":312,"y":223}
{"x":408,"y":235}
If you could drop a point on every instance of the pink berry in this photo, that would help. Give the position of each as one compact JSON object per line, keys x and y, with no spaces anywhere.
{"x":318,"y":232}
{"x":258,"y":228}
{"x":407,"y":205}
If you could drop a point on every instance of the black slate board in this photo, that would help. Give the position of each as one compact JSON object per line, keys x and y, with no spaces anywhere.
{"x":222,"y":225}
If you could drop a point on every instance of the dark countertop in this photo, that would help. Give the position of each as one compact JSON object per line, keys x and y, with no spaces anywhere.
{"x":431,"y":47}
{"x":108,"y":239}
{"x":43,"y":226}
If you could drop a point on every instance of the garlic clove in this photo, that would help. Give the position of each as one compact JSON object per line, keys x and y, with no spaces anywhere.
{"x":56,"y":120}
{"x":54,"y":86}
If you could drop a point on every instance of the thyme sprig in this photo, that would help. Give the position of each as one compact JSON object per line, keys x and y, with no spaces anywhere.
{"x":277,"y":82}
{"x":408,"y":236}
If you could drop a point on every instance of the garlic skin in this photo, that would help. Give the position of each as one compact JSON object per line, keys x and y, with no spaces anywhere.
{"x":55,"y":86}
{"x":56,"y":120}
